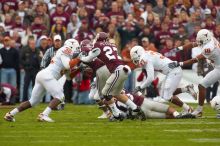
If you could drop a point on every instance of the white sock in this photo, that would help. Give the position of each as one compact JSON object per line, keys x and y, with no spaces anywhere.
{"x":7,"y":99}
{"x":14,"y":111}
{"x":131,"y":104}
{"x":185,"y":106}
{"x":47,"y":111}
{"x":200,"y":107}
{"x":115,"y":110}
{"x":184,"y":89}
{"x":175,"y":114}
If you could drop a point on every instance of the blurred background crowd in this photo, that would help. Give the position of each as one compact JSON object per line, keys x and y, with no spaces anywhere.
{"x":28,"y":27}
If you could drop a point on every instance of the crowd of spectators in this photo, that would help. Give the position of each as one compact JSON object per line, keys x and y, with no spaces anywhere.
{"x":157,"y":25}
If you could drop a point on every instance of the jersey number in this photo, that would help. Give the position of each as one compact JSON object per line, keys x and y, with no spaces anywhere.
{"x":109,"y":51}
{"x":207,"y":51}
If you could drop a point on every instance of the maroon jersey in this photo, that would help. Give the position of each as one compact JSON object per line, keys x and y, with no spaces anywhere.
{"x":84,"y":34}
{"x":210,"y":27}
{"x":156,"y":29}
{"x":171,"y":54}
{"x":138,"y":100}
{"x":109,"y":55}
{"x":13,"y":4}
{"x":8,"y":26}
{"x":64,"y":17}
{"x":90,"y":7}
{"x":114,"y":14}
{"x":173,"y":28}
{"x":95,"y":64}
{"x":192,"y":38}
{"x":163,"y":36}
{"x":38,"y":29}
{"x":18,"y":27}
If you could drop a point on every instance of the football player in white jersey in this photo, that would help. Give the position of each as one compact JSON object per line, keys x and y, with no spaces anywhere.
{"x":210,"y":48}
{"x":153,"y":61}
{"x":47,"y":80}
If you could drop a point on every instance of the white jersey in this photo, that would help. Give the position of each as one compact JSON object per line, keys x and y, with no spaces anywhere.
{"x":212,"y":52}
{"x":153,"y":61}
{"x":60,"y":62}
{"x":159,"y":62}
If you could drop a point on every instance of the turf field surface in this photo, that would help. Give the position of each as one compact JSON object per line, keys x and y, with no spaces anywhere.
{"x":78,"y":125}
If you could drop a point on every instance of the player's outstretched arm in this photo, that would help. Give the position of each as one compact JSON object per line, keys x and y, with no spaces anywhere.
{"x":193,"y":60}
{"x":92,"y":55}
{"x":186,"y":46}
{"x":150,"y":75}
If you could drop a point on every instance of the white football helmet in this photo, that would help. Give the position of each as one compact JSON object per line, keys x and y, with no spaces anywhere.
{"x":136,"y":53}
{"x":203,"y":37}
{"x":72,"y":44}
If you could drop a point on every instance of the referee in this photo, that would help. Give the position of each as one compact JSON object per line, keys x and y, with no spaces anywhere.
{"x":57,"y":43}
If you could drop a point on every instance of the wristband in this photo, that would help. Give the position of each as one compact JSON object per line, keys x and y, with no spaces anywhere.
{"x":181,"y":63}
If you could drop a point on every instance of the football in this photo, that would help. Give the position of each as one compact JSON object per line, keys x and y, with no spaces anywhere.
{"x":215,"y":103}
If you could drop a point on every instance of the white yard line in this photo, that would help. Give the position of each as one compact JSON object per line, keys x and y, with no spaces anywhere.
{"x":193,"y":122}
{"x":204,"y":140}
{"x":191,"y":130}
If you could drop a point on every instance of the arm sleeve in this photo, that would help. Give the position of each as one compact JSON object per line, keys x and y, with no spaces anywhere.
{"x":65,"y":60}
{"x":150,"y":75}
{"x":92,"y":55}
{"x":45,"y":59}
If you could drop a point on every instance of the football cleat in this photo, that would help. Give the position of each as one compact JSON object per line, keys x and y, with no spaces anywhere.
{"x":61,"y":106}
{"x":138,"y":114}
{"x":113,"y":118}
{"x":44,"y":118}
{"x":197,"y":112}
{"x":191,"y":91}
{"x":105,"y":115}
{"x":186,"y":116}
{"x":8,"y":117}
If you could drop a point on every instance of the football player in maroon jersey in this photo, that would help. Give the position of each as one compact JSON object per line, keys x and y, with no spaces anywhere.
{"x":107,"y":53}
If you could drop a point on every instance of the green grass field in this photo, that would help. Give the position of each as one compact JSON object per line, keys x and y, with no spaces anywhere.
{"x":78,"y":125}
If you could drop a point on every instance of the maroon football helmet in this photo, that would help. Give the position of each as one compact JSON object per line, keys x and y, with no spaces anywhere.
{"x":85,"y":49}
{"x":102,"y":36}
{"x":85,"y":43}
